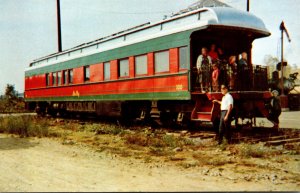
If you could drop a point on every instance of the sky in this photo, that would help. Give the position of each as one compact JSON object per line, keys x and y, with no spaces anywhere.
{"x":28,"y":28}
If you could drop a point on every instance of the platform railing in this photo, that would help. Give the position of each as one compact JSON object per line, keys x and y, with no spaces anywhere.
{"x":239,"y":79}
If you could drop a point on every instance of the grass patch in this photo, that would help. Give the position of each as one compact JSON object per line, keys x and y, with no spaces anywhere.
{"x":156,"y":141}
{"x":254,"y":150}
{"x":188,"y":164}
{"x":106,"y":129}
{"x":171,"y":141}
{"x":160,"y":151}
{"x":213,"y":160}
{"x":137,"y":139}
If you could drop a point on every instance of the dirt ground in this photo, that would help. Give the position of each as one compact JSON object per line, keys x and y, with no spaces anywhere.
{"x":80,"y":161}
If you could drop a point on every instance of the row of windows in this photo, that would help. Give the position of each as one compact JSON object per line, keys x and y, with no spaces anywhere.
{"x":161,"y":64}
{"x":161,"y":61}
{"x":57,"y":78}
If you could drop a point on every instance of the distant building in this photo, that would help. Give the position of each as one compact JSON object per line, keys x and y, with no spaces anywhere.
{"x":20,"y":95}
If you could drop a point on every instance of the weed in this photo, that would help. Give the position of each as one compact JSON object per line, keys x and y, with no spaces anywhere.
{"x":156,"y":142}
{"x":171,"y":141}
{"x":68,"y":127}
{"x":217,"y":160}
{"x":147,"y":159}
{"x":160,"y":152}
{"x":187,"y":141}
{"x":107,"y":129}
{"x":189,"y":164}
{"x":255,"y":150}
{"x":137,"y":139}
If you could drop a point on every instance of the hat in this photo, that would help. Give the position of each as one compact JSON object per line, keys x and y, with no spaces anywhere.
{"x":275,"y":92}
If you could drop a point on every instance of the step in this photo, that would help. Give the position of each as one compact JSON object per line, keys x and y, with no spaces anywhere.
{"x":201,"y":120}
{"x":204,"y":115}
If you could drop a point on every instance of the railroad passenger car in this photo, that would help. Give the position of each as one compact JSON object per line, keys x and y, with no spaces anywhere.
{"x":148,"y":71}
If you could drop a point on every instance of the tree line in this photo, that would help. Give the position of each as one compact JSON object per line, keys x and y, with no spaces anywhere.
{"x":10,"y":102}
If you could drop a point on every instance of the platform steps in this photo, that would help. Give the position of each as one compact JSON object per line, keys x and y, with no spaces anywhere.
{"x":203,"y":114}
{"x":203,"y":117}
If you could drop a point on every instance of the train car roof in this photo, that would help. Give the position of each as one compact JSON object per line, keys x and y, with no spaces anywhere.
{"x":193,"y":20}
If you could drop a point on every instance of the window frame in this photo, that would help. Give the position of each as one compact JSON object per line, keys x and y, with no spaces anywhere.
{"x":85,"y":77}
{"x":135,"y":65}
{"x":47,"y":79}
{"x":59,"y":82}
{"x":65,"y":77}
{"x":70,"y":78}
{"x":104,"y":74}
{"x":179,"y":58}
{"x":155,"y":62}
{"x":119,"y":68}
{"x":54,"y":78}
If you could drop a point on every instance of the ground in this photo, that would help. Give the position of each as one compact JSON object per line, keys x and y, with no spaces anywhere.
{"x":89,"y":159}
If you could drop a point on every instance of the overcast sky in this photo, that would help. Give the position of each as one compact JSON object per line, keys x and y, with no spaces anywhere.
{"x":28,"y":27}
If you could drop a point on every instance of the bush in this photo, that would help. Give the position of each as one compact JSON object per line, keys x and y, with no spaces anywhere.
{"x":24,"y":126}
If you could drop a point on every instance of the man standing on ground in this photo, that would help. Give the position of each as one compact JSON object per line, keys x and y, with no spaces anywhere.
{"x":226,"y":109}
{"x":275,"y":109}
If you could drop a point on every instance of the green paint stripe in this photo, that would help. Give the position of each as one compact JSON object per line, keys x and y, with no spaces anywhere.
{"x":184,"y":95}
{"x":166,"y":42}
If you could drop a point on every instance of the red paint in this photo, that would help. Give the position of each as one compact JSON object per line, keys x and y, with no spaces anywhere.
{"x":36,"y":81}
{"x":160,"y":84}
{"x":78,"y":75}
{"x":150,"y":63}
{"x":114,"y":70}
{"x":95,"y":71}
{"x":131,"y":67}
{"x":174,"y":60}
{"x":50,"y":79}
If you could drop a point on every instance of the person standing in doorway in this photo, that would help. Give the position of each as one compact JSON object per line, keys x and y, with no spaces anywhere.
{"x":232,"y":72}
{"x":226,"y":109}
{"x":203,"y":65}
{"x":213,"y":52}
{"x":243,"y":73}
{"x":215,"y":78}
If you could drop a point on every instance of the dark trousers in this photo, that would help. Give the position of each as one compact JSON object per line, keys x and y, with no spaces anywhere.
{"x":274,"y":117}
{"x":224,"y":128}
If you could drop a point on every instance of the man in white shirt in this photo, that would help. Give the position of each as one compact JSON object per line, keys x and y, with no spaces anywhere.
{"x":226,"y":109}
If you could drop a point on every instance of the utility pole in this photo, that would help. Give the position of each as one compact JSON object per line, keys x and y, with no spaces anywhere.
{"x":283,"y":97}
{"x":248,"y":5}
{"x":58,"y":26}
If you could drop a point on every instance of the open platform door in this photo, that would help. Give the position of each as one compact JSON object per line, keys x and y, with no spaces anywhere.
{"x":232,"y":42}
